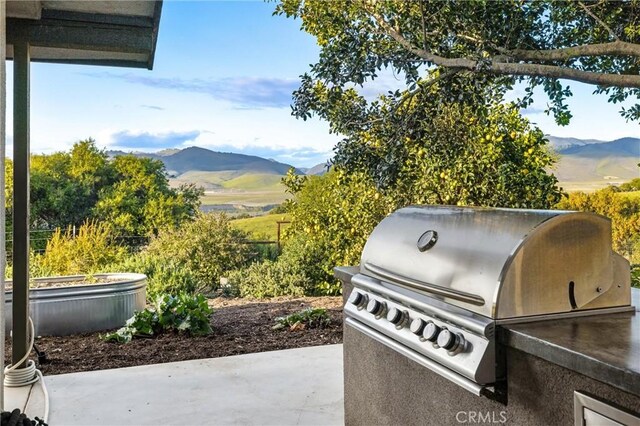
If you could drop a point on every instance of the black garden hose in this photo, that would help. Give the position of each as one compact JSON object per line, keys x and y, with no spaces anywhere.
{"x":16,"y":418}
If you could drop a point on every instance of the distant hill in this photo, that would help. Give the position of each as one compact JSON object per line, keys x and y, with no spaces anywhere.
{"x":559,"y":143}
{"x":318,"y":169}
{"x":204,"y":160}
{"x":218,"y":170}
{"x":624,"y":147}
{"x":179,"y":161}
{"x":590,"y":164}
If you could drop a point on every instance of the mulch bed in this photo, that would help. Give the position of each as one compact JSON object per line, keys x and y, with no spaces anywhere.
{"x":239,"y":326}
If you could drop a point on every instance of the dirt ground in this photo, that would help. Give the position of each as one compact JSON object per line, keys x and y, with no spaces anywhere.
{"x":240,"y":326}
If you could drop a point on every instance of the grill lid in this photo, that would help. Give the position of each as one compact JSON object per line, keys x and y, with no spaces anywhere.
{"x":500,"y":263}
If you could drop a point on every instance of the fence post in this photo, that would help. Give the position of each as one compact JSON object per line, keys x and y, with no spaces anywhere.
{"x":278,"y":239}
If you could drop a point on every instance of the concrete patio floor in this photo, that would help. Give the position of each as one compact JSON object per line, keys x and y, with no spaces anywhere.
{"x":290,"y":387}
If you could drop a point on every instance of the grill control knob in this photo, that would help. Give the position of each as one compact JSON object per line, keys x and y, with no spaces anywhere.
{"x":416,"y":326}
{"x":449,"y":340}
{"x":431,"y":331}
{"x":358,"y":299}
{"x":395,"y":316}
{"x":376,"y":307}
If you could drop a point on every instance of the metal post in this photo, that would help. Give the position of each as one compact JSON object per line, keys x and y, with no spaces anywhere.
{"x":20,"y":201}
{"x":3,"y":235}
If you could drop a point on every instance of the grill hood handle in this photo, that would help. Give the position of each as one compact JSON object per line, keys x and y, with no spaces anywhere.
{"x":437,"y":290}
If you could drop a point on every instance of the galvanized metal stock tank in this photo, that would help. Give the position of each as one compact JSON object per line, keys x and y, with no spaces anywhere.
{"x":500,"y":263}
{"x":59,"y":311}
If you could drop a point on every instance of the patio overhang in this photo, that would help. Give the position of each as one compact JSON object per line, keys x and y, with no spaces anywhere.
{"x":113,"y":33}
{"x":120,"y":33}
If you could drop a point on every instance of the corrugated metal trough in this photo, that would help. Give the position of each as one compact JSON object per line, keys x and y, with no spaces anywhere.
{"x":60,"y":311}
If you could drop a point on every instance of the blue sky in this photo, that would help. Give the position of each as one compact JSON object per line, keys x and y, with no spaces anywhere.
{"x":222,"y":79}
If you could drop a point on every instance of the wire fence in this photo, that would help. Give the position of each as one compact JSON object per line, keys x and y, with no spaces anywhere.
{"x":38,"y":239}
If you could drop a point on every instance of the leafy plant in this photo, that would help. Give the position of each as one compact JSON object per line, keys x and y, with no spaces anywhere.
{"x":207,"y":247}
{"x":164,"y":274}
{"x":632,"y":185}
{"x":182,"y":313}
{"x":268,"y":279}
{"x":92,"y":249}
{"x":307,"y":318}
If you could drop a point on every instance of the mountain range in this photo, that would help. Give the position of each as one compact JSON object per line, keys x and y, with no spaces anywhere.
{"x":590,"y":163}
{"x":583,"y":164}
{"x":180,"y":161}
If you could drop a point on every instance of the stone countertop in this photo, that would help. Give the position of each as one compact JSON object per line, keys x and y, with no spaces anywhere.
{"x":603,"y":347}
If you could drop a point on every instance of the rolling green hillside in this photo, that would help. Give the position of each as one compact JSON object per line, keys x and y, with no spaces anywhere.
{"x":244,"y":198}
{"x":255,"y":182}
{"x":200,"y":159}
{"x":588,"y":165}
{"x":262,"y":226}
{"x":231,"y":179}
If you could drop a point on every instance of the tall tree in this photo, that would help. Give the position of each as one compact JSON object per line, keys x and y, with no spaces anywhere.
{"x":141,"y":202}
{"x":536,"y":42}
{"x":129,"y":193}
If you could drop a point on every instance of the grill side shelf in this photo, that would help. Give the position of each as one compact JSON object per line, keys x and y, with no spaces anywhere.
{"x":461,"y":381}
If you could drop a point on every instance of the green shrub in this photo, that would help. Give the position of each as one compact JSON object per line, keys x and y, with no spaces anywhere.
{"x":91,"y":250}
{"x":268,"y":279}
{"x":332,"y":217}
{"x":264,"y":251}
{"x":303,"y":269}
{"x":624,"y":213}
{"x":310,"y":258}
{"x":36,"y":269}
{"x":182,"y":313}
{"x":163,"y":275}
{"x":632,"y":185}
{"x":280,"y":209}
{"x":310,"y":318}
{"x":208,"y":248}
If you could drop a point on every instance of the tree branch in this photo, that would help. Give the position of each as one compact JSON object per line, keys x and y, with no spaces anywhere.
{"x":598,"y":20}
{"x":553,"y":71}
{"x":425,"y":85}
{"x":614,"y":48}
{"x":524,"y":69}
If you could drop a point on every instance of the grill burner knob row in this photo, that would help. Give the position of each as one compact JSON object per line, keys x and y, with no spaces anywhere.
{"x":376,"y":307}
{"x":396,"y":316}
{"x":431,"y":331}
{"x":449,"y":340}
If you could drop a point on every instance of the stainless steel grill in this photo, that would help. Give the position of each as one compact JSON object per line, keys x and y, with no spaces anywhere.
{"x":434,"y":282}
